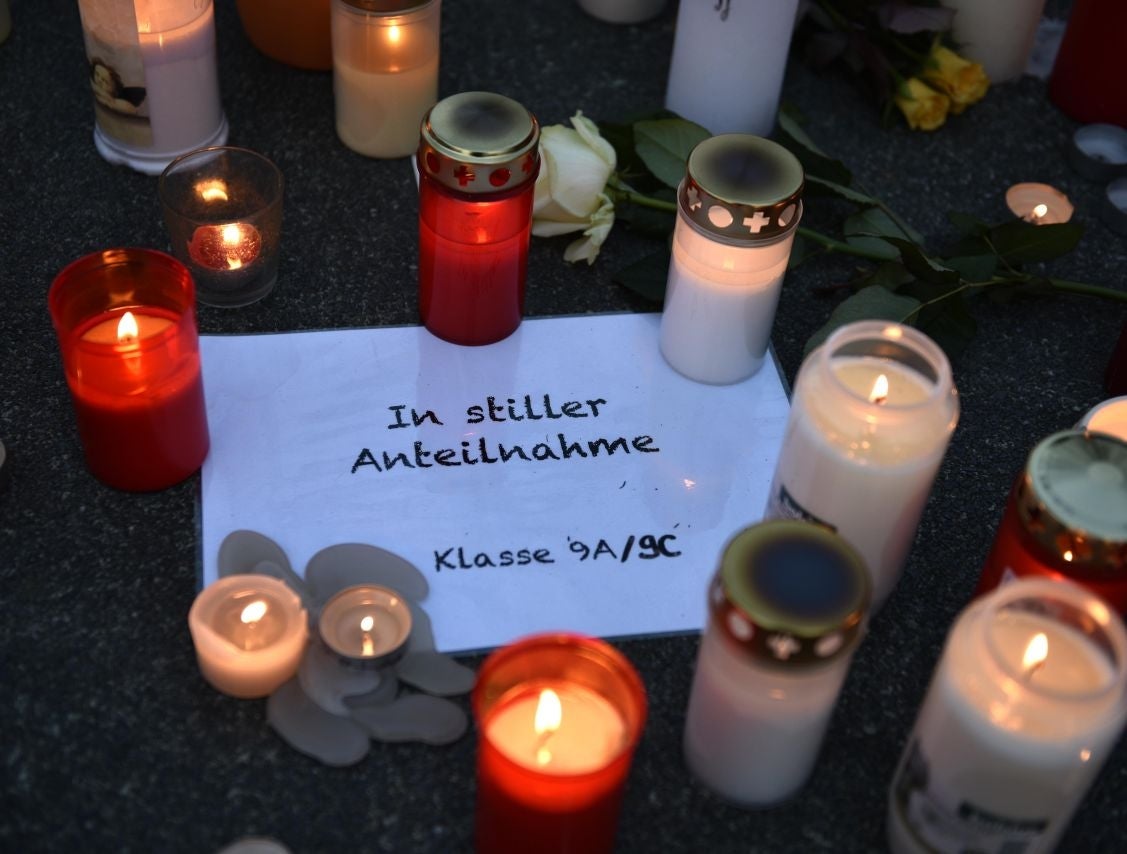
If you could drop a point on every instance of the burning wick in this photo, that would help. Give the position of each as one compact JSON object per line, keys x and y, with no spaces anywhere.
{"x":127,"y":330}
{"x":367,"y":647}
{"x":1036,"y":651}
{"x":1037,"y":213}
{"x":879,"y":394}
{"x":549,"y":714}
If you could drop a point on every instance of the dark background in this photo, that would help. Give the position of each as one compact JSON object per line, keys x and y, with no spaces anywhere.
{"x":110,"y":739}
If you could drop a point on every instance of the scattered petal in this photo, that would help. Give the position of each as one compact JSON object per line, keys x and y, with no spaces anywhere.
{"x":308,"y":728}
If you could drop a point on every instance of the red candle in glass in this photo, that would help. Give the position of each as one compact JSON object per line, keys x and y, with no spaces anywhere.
{"x":125,"y":320}
{"x":478,"y":161}
{"x":1085,"y":83}
{"x":560,"y":716}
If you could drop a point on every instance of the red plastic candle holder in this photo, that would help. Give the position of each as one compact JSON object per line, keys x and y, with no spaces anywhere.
{"x":126,"y":324}
{"x":550,"y":775}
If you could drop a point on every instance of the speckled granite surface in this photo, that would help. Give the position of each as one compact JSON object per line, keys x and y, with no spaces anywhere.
{"x":110,"y":739}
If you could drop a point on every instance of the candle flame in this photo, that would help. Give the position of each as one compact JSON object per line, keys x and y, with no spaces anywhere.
{"x":549,"y":713}
{"x":253,"y":612}
{"x":393,"y":34}
{"x":879,"y":394}
{"x":127,"y":330}
{"x":367,"y":623}
{"x":1067,"y":555}
{"x":232,"y":237}
{"x":1040,"y":210}
{"x":1036,"y":651}
{"x":212,"y":191}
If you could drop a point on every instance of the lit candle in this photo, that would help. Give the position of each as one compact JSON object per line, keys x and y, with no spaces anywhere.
{"x":366,"y":625}
{"x":125,"y":319}
{"x":999,"y":34}
{"x":249,"y":632}
{"x":1026,"y":704}
{"x":230,"y":246}
{"x":1108,"y":417}
{"x":1039,"y":204}
{"x":872,"y":414}
{"x":385,"y":72}
{"x":559,"y":716}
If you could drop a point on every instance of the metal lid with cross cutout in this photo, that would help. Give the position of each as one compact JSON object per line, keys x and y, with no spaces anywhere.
{"x":479,"y":142}
{"x":741,"y":189}
{"x":790,"y":594}
{"x":1072,"y":500}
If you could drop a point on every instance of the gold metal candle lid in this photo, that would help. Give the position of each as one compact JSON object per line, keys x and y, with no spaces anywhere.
{"x":742,"y":189}
{"x":790,"y":594}
{"x":479,"y":142}
{"x":1072,"y":499}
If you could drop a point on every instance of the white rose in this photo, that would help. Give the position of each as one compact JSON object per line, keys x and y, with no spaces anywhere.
{"x":575,"y":164}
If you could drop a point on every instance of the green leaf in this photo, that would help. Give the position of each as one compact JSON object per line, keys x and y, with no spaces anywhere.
{"x":664,"y":146}
{"x":866,"y":229}
{"x":1021,"y":242}
{"x":824,"y":186}
{"x":889,"y":274}
{"x":813,"y":159}
{"x":871,"y":303}
{"x":921,"y":265}
{"x":974,"y":268}
{"x":968,"y":225}
{"x":646,"y":277}
{"x":950,"y":324}
{"x":648,"y":221}
{"x":801,"y":251}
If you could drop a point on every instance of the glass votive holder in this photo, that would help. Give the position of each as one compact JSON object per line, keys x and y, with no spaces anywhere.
{"x":126,"y":324}
{"x":223,"y":210}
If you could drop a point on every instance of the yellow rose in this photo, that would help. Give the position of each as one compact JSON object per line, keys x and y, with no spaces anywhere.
{"x":922,"y":106}
{"x":963,"y":81}
{"x":576,"y":164}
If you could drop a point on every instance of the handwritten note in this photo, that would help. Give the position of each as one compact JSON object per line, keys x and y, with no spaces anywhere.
{"x":565,"y":478}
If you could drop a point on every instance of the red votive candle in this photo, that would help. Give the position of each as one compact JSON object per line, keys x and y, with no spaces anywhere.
{"x":560,"y":716}
{"x":126,"y":324}
{"x":478,"y":161}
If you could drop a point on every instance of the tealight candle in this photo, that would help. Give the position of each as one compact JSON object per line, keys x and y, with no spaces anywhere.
{"x":249,"y":632}
{"x":873,"y":410}
{"x":1039,"y":204}
{"x":225,"y":247}
{"x":1099,"y":151}
{"x":999,"y":34}
{"x":559,"y":715}
{"x":1108,"y":417}
{"x":1026,"y":704}
{"x":126,"y":324}
{"x":366,"y":625}
{"x":385,"y":72}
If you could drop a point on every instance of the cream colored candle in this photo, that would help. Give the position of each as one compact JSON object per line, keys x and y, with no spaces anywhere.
{"x":1025,"y":706}
{"x":385,"y":73}
{"x":999,"y":34}
{"x":249,"y":632}
{"x":872,"y":414}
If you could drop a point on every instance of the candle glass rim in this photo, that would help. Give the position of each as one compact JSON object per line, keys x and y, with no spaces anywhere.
{"x":1102,"y":132}
{"x":402,"y":610}
{"x":205,"y":606}
{"x":274,"y":187}
{"x":1068,"y":597}
{"x":396,"y":13}
{"x":940,"y":386}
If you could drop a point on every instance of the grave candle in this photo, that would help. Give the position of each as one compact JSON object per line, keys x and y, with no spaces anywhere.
{"x":125,"y":320}
{"x":873,"y":410}
{"x":1026,"y":704}
{"x":249,"y":632}
{"x":366,"y":625}
{"x":385,"y":72}
{"x":478,"y":161}
{"x":999,"y":34}
{"x":560,"y":715}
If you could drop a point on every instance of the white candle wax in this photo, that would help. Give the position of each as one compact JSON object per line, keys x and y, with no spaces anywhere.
{"x":728,"y":63}
{"x":1108,"y":417}
{"x":756,"y":744}
{"x":865,"y":467}
{"x":249,"y":632}
{"x":999,"y":34}
{"x":1004,"y":748}
{"x":717,"y":318}
{"x":588,"y":733}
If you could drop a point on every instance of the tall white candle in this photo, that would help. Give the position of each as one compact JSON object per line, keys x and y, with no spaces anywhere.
{"x":858,"y":458}
{"x":1026,"y":704}
{"x":728,"y":63}
{"x":999,"y":34}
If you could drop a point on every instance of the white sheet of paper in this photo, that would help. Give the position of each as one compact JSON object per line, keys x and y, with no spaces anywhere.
{"x":607,"y":544}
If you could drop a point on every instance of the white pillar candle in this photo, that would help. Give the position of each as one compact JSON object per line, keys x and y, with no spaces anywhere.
{"x":999,"y":34}
{"x":738,"y":208}
{"x":385,"y":73}
{"x":1025,"y":706}
{"x":155,"y":80}
{"x":249,"y":632}
{"x":771,"y":666}
{"x":728,"y":63}
{"x":860,"y":454}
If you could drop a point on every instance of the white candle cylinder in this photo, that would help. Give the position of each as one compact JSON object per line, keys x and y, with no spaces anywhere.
{"x":859,"y":459}
{"x":385,"y":72}
{"x":999,"y":34}
{"x":786,"y":612}
{"x":1024,"y":707}
{"x":728,"y":61}
{"x":155,"y":80}
{"x":738,"y":207}
{"x":249,"y":632}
